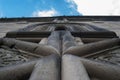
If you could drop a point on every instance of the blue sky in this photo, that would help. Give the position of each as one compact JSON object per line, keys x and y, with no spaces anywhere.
{"x":42,"y":8}
{"x":28,"y":8}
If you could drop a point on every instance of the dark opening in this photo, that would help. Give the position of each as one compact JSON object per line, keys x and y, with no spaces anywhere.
{"x":60,"y":28}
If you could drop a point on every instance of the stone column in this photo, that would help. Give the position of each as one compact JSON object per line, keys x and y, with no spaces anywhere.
{"x":68,"y":40}
{"x":54,"y":40}
{"x":73,"y":69}
{"x":47,"y":69}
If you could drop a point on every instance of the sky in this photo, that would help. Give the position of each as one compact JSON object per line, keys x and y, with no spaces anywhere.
{"x":48,"y":8}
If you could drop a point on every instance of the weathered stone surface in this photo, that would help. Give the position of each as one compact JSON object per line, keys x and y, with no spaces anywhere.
{"x":73,"y":69}
{"x":68,"y":41}
{"x":101,"y":71}
{"x":110,"y":56}
{"x":47,"y":69}
{"x":9,"y":42}
{"x":54,"y":40}
{"x":79,"y":41}
{"x":109,"y":25}
{"x":1,"y":41}
{"x":43,"y":41}
{"x":40,"y":28}
{"x":27,"y":46}
{"x":36,"y":40}
{"x":94,"y":79}
{"x":17,"y":72}
{"x":39,"y":49}
{"x":92,"y":47}
{"x":9,"y":57}
{"x":45,"y":50}
{"x":11,"y":26}
{"x":91,"y":40}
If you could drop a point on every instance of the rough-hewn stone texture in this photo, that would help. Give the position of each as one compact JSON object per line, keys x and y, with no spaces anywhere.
{"x":17,"y":72}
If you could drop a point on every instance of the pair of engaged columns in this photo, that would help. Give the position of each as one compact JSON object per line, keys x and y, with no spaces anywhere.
{"x":69,"y":67}
{"x":73,"y":68}
{"x":52,"y":68}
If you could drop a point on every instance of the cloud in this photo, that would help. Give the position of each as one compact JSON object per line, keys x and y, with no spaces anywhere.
{"x":45,"y":13}
{"x":97,"y":7}
{"x":116,"y":7}
{"x":71,"y":4}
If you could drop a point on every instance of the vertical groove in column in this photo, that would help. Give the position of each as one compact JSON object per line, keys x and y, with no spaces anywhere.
{"x":54,"y":40}
{"x":68,"y":41}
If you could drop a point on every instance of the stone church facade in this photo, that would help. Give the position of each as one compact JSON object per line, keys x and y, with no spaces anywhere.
{"x":60,"y":49}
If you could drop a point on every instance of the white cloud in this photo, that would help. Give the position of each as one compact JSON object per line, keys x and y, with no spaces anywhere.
{"x":45,"y":13}
{"x":72,"y":4}
{"x":116,"y":7}
{"x":97,"y":7}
